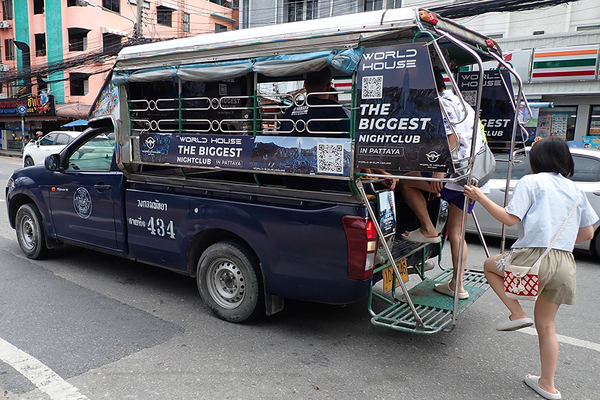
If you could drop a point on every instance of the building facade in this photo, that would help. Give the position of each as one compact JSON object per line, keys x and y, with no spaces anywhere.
{"x":56,"y":53}
{"x":555,"y":50}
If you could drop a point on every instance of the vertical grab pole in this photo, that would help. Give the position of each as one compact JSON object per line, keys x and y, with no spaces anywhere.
{"x":452,"y":81}
{"x":388,"y":253}
{"x":512,"y":141}
{"x":476,"y":222}
{"x":461,"y":247}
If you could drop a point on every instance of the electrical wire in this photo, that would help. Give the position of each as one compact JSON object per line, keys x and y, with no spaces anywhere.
{"x":97,"y":52}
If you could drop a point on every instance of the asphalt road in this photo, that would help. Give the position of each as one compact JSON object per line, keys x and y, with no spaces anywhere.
{"x":101,"y":327}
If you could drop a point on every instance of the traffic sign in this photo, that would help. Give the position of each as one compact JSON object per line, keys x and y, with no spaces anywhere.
{"x":21,"y":109}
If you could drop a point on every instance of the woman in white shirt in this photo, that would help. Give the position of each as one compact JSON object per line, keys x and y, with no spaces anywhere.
{"x":540,"y":204}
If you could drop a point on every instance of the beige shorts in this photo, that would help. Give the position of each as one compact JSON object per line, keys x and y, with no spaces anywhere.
{"x":557,"y":272}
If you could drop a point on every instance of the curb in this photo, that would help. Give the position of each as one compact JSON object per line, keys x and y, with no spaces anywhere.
{"x":8,"y":153}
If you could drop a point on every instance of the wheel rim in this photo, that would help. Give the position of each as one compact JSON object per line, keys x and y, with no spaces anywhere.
{"x":28,"y":162}
{"x":28,"y":233}
{"x":226,"y":283}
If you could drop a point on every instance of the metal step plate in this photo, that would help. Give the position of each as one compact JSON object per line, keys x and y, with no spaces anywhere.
{"x":434,"y":309}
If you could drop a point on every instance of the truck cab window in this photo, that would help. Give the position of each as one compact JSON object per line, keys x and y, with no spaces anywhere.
{"x":94,"y":155}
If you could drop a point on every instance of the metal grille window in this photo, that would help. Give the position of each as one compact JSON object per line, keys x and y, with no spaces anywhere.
{"x":110,"y":42}
{"x":372,"y":5}
{"x":220,"y":28}
{"x":112,"y":5}
{"x":77,"y":39}
{"x":78,"y":84}
{"x":588,"y":28}
{"x":300,"y":10}
{"x":42,"y":82}
{"x":186,"y":22}
{"x":9,"y":49}
{"x":164,"y":16}
{"x":40,"y":44}
{"x":7,"y":9}
{"x":38,"y":6}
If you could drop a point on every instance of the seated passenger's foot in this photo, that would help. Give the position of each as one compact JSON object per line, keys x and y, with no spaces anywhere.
{"x":417,"y":237}
{"x":444,"y":288}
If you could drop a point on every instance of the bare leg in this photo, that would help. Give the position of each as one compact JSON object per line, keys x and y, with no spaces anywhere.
{"x":454,"y":229}
{"x":496,"y":280}
{"x":411,"y":191}
{"x":544,"y":313}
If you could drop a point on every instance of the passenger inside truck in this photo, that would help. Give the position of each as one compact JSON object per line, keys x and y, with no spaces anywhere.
{"x":319,"y":114}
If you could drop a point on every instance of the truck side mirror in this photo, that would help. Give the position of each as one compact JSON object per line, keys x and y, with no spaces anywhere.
{"x":52,"y":162}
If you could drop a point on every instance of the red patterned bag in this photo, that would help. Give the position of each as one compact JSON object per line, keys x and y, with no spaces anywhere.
{"x":521,"y":283}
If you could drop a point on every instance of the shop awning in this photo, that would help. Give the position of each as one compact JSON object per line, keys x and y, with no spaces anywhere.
{"x":217,"y":15}
{"x":115,"y":32}
{"x":79,"y":122}
{"x":73,"y":110}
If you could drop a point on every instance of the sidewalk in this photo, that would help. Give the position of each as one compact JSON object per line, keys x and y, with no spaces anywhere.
{"x":11,"y":153}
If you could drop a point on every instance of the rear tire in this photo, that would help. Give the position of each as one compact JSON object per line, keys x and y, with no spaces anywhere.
{"x":227,"y":281}
{"x":28,"y":162}
{"x":30,"y":232}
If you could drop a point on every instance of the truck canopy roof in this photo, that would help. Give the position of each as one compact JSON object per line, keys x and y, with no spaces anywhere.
{"x":346,"y":31}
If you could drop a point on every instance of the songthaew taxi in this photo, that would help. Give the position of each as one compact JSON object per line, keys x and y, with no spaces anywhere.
{"x":229,"y":162}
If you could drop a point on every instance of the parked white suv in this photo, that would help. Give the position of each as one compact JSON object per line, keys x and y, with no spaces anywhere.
{"x":35,"y":152}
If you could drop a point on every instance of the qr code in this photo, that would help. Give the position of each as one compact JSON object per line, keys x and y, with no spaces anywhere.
{"x":470,"y":97}
{"x":372,"y":87}
{"x":330,"y":158}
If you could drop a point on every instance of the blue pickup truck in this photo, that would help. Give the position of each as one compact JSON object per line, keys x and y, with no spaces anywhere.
{"x":187,"y":163}
{"x":248,"y":246}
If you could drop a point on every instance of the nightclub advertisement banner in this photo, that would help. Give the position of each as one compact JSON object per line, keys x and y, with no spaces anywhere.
{"x":497,"y":111}
{"x":216,"y":151}
{"x":302,"y":155}
{"x":290,"y":155}
{"x":399,"y":123}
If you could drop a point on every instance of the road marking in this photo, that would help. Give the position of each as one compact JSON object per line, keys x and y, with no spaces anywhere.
{"x":39,"y":374}
{"x":567,"y":340}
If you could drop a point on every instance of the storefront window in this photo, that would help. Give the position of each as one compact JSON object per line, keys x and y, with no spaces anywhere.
{"x":595,"y":121}
{"x":557,"y":121}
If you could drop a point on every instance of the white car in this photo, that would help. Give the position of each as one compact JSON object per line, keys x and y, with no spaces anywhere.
{"x":35,"y":152}
{"x":586,"y":177}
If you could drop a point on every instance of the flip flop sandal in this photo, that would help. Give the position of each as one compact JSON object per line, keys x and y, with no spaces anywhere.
{"x":533,"y":382}
{"x":417,"y":237}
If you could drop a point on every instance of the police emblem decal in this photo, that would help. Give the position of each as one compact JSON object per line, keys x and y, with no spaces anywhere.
{"x":82,"y":201}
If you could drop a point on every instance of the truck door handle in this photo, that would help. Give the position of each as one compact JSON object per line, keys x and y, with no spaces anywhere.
{"x":102,"y":187}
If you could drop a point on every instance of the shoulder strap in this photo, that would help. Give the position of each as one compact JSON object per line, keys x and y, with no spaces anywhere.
{"x":560,"y":230}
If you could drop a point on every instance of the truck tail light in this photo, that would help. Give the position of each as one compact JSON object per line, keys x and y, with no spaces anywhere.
{"x":361,"y":236}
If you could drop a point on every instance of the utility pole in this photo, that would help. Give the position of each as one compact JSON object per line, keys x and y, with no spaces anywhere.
{"x":138,"y":24}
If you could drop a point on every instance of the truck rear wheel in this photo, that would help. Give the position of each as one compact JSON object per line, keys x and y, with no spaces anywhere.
{"x":228,"y":283}
{"x":30,"y":232}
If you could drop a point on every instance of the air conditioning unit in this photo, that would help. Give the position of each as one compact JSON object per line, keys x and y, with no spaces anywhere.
{"x":4,"y":25}
{"x":4,"y":67}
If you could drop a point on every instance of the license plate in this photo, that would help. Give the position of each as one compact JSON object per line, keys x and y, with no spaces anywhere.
{"x":388,"y":275}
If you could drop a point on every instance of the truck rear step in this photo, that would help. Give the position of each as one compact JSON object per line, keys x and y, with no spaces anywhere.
{"x":434,"y":309}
